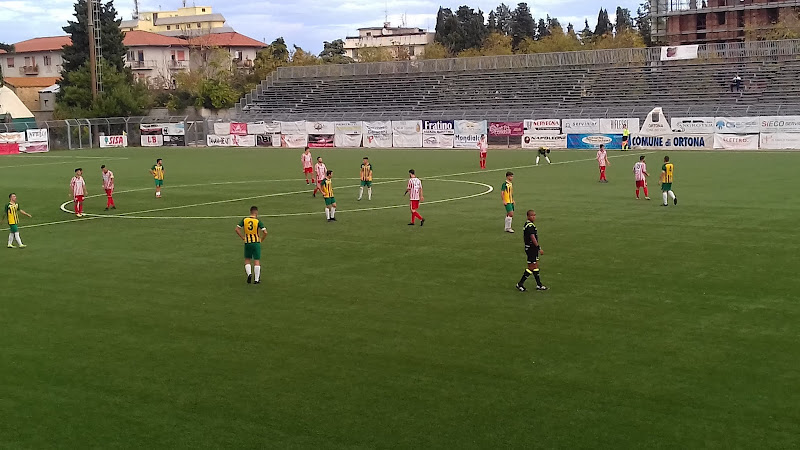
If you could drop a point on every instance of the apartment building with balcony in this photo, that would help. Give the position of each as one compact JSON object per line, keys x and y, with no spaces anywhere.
{"x":37,"y":57}
{"x":411,"y":41}
{"x":183,"y":22}
{"x":155,"y":58}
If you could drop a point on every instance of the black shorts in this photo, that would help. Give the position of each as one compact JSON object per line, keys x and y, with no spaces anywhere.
{"x":625,"y":138}
{"x":533,"y":254}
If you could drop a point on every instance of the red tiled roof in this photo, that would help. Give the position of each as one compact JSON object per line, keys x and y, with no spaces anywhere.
{"x":22,"y":82}
{"x":226,"y":40}
{"x":2,"y":51}
{"x":138,"y":38}
{"x":42,"y":44}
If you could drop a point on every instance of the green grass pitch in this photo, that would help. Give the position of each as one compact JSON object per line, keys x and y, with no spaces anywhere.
{"x":664,"y":327}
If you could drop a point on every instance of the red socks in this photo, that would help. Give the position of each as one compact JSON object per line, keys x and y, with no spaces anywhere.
{"x":602,"y":172}
{"x":415,"y":215}
{"x":645,"y":192}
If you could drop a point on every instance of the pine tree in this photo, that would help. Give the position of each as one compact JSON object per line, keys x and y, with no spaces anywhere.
{"x":541,"y":30}
{"x":604,"y":25}
{"x":333,"y":53}
{"x":77,"y":54}
{"x":586,"y":34}
{"x":623,"y":21}
{"x":492,"y":22}
{"x":644,"y":24}
{"x":504,"y":18}
{"x":522,"y":25}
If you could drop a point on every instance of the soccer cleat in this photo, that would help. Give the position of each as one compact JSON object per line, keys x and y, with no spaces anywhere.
{"x":421,"y":222}
{"x":330,"y":220}
{"x":249,"y":279}
{"x":22,"y":246}
{"x":257,"y":282}
{"x":105,"y":209}
{"x":521,"y":288}
{"x":358,"y":199}
{"x":541,"y":288}
{"x":113,"y":207}
{"x":509,"y":230}
{"x":664,"y":204}
{"x":333,"y":219}
{"x":647,"y":198}
{"x":11,"y":246}
{"x":411,"y":224}
{"x":675,"y":201}
{"x":314,"y":195}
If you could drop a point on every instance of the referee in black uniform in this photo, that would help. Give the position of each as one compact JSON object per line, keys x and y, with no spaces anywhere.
{"x":533,"y":250}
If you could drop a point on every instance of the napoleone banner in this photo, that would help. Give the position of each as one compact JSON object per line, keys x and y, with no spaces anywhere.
{"x":114,"y":141}
{"x":616,"y":126}
{"x":736,"y":141}
{"x":294,"y":140}
{"x":580,"y":126}
{"x":39,"y":135}
{"x":542,"y":126}
{"x":506,"y":129}
{"x":544,"y":140}
{"x":779,"y":141}
{"x":675,"y":140}
{"x":737,"y":125}
{"x":696,"y":125}
{"x":377,"y":134}
{"x":778,"y":124}
{"x":347,"y":134}
{"x":407,"y":133}
{"x":320,"y":128}
{"x":298,"y":127}
{"x":592,"y":141}
{"x":320,"y":140}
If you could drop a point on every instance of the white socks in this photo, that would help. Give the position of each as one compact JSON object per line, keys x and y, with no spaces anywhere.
{"x":247,"y":269}
{"x":360,"y":193}
{"x":508,"y":222}
{"x":328,"y":212}
{"x":19,"y":241}
{"x":548,"y":159}
{"x":10,"y":238}
{"x":537,"y":160}
{"x":672,"y":195}
{"x":333,"y":212}
{"x":369,"y":193}
{"x":158,"y":194}
{"x":257,"y":270}
{"x":664,"y":196}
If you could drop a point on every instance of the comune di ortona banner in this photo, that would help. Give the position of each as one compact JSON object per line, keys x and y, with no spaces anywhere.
{"x":544,"y":140}
{"x":594,"y":140}
{"x":377,"y":134}
{"x":407,"y":133}
{"x":736,"y":141}
{"x":675,"y":140}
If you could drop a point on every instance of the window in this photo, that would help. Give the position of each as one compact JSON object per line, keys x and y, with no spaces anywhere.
{"x":141,"y":55}
{"x":168,"y":27}
{"x":721,"y":18}
{"x":198,"y":24}
{"x":238,"y":55}
{"x":10,"y":62}
{"x":369,"y":33}
{"x":27,"y":60}
{"x":47,"y":60}
{"x":131,"y":55}
{"x":740,"y":21}
{"x":772,"y":15}
{"x":701,"y":21}
{"x":181,"y":55}
{"x":204,"y":10}
{"x":411,"y":49}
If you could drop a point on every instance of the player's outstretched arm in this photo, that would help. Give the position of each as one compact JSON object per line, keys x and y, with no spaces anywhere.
{"x":23,"y":212}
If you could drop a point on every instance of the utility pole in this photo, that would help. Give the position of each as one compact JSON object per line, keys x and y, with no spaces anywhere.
{"x":92,"y":49}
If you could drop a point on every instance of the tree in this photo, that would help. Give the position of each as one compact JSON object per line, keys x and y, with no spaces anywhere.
{"x":787,"y":27}
{"x":557,"y":41}
{"x":119,"y":98}
{"x":460,"y":31}
{"x":604,"y":25}
{"x":495,"y":44}
{"x":504,"y":18}
{"x":644,"y":24}
{"x":333,"y":53}
{"x":624,"y":39}
{"x":374,"y":54}
{"x":435,"y":51}
{"x":571,"y":29}
{"x":269,"y":59}
{"x":553,"y":23}
{"x":541,"y":29}
{"x":9,"y":48}
{"x":522,"y":25}
{"x":586,"y":34}
{"x":492,"y":22}
{"x":77,"y":54}
{"x":301,"y":57}
{"x":623,"y":21}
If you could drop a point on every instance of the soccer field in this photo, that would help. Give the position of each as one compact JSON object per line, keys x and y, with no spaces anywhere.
{"x":667,"y":327}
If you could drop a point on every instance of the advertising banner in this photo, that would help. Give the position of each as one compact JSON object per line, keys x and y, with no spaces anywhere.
{"x":678,"y":52}
{"x":471,"y":127}
{"x":238,"y":128}
{"x":293,"y":128}
{"x":320,"y":140}
{"x":222,"y":128}
{"x":12,"y":138}
{"x":7,"y":148}
{"x":407,"y":133}
{"x":438,"y":141}
{"x":655,"y":124}
{"x":593,"y":141}
{"x":737,"y":125}
{"x":466,"y":141}
{"x":347,"y":140}
{"x":542,"y":126}
{"x":736,"y":141}
{"x":506,"y":129}
{"x":34,"y":147}
{"x":779,"y":141}
{"x":378,"y":134}
{"x":257,"y":128}
{"x":114,"y":141}
{"x":153,"y":140}
{"x":580,"y":126}
{"x":174,"y":129}
{"x":430,"y":127}
{"x":294,"y":140}
{"x":696,"y":125}
{"x":616,"y":126}
{"x":175,"y":141}
{"x":268,"y":140}
{"x":152,"y":129}
{"x":675,"y":140}
{"x":320,"y":127}
{"x":216,"y":140}
{"x":778,"y":124}
{"x":37,"y":135}
{"x":351,"y":128}
{"x":544,"y":140}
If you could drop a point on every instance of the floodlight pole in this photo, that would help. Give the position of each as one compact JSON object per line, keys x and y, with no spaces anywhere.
{"x":92,"y":49}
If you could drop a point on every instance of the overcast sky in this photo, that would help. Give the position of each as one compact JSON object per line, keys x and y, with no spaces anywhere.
{"x":306,"y":23}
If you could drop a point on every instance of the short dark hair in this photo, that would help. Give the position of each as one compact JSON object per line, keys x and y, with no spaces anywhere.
{"x":528,"y":213}
{"x":509,"y":173}
{"x":10,"y":195}
{"x":666,"y":159}
{"x":641,"y":158}
{"x":157,"y":160}
{"x":319,"y":157}
{"x":328,"y":173}
{"x":76,"y":170}
{"x":412,"y":172}
{"x":366,"y":158}
{"x":602,"y":146}
{"x":103,"y":166}
{"x":307,"y":147}
{"x":253,"y":209}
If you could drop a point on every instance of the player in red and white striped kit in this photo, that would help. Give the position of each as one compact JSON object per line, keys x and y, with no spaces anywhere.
{"x":108,"y":186}
{"x":414,"y":191}
{"x":77,"y":189}
{"x":640,"y":175}
{"x":322,"y":170}
{"x":483,"y":147}
{"x":307,"y":165}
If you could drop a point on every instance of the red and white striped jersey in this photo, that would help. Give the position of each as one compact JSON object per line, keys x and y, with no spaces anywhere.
{"x":108,"y":180}
{"x":321,"y":171}
{"x":602,"y":157}
{"x":78,"y":186}
{"x":483,"y":146}
{"x":306,"y":158}
{"x":638,"y":170}
{"x":414,"y":188}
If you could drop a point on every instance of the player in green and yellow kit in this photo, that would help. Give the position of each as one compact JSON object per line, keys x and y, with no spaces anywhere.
{"x":158,"y":175}
{"x":667,"y":171}
{"x":507,"y":194}
{"x":12,"y":214}
{"x":252,"y":231}
{"x":327,"y":193}
{"x":366,"y":179}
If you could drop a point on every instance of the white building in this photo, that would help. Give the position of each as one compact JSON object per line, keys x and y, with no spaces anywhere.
{"x":397,"y":39}
{"x":155,"y":58}
{"x":37,"y":57}
{"x":242,"y":49}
